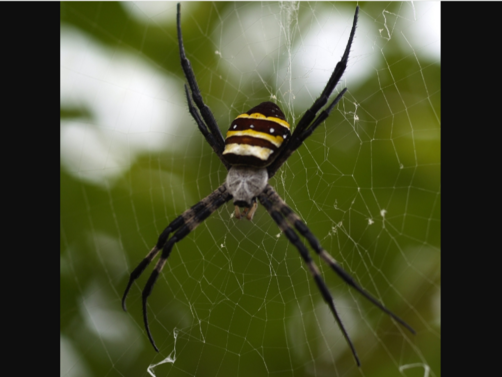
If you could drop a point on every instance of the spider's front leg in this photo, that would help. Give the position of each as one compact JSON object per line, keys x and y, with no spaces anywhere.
{"x":308,"y":123}
{"x":207,"y":125}
{"x":217,"y":148}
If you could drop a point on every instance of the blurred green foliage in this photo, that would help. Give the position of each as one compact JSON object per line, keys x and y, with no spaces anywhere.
{"x":236,"y":295}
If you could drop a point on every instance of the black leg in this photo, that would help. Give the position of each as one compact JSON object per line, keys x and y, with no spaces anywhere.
{"x":183,"y":225}
{"x":266,"y":199}
{"x":203,"y":129}
{"x":206,"y":113}
{"x":300,"y":226}
{"x":301,"y":130}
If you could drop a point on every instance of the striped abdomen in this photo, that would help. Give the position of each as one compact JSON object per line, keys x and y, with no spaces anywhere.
{"x":254,"y":137}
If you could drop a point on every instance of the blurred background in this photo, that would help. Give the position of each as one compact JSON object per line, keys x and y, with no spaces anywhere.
{"x":235,"y":298}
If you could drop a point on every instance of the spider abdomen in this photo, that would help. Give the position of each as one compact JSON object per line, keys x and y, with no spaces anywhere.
{"x":254,"y":137}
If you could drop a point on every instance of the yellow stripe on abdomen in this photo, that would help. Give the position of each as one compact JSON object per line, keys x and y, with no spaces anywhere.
{"x":261,"y":116}
{"x":276,"y":140}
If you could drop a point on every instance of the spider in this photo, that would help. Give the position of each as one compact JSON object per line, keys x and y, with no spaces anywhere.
{"x":257,"y":144}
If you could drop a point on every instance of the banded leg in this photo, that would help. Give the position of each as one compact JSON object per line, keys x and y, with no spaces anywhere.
{"x":183,"y":225}
{"x":278,"y":217}
{"x":294,"y":220}
{"x":300,"y":134}
{"x":206,"y":113}
{"x":174,"y":225}
{"x":184,"y":218}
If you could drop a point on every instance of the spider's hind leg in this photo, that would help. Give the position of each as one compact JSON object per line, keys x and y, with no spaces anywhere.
{"x":300,"y":226}
{"x":136,"y":273}
{"x":269,"y":200}
{"x":182,"y":226}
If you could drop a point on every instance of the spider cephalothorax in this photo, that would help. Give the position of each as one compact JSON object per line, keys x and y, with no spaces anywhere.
{"x":256,"y":145}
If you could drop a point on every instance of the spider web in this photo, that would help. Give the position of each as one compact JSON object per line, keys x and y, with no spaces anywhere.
{"x":235,"y":297}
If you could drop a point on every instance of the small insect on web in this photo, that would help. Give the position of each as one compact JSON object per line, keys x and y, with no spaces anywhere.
{"x":256,"y":145}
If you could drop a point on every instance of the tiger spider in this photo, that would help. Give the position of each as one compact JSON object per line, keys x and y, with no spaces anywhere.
{"x":256,"y":146}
